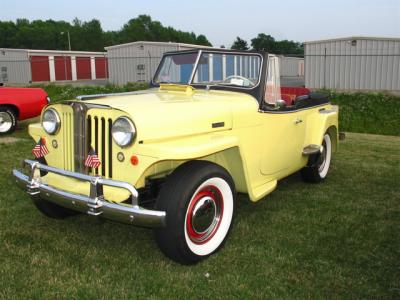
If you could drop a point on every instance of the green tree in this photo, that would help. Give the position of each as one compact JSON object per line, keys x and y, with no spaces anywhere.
{"x":264,"y":42}
{"x":240,"y":44}
{"x":267,"y":43}
{"x":89,"y":35}
{"x":202,"y":40}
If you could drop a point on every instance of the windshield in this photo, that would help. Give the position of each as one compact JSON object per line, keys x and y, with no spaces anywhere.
{"x":176,"y":68}
{"x":229,"y":69}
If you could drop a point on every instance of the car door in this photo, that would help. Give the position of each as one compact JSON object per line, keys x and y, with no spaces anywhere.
{"x":284,"y":131}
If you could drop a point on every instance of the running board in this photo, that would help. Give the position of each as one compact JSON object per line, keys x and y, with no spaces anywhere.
{"x":311,"y":149}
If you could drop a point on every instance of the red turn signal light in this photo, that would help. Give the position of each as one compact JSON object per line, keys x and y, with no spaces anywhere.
{"x":134,"y":160}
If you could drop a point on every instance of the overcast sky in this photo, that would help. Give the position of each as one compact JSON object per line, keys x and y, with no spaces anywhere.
{"x":221,"y":21}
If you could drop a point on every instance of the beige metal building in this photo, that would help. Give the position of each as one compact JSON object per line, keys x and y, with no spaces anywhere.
{"x":138,"y":61}
{"x":291,"y":66}
{"x":353,"y":63}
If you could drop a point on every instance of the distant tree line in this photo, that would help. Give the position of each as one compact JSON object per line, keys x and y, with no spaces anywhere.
{"x":267,"y":43}
{"x":88,"y":36}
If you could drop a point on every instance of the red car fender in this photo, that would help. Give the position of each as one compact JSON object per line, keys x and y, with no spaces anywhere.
{"x":28,"y":102}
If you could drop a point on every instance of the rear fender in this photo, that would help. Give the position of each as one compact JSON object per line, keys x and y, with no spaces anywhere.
{"x":321,"y":122}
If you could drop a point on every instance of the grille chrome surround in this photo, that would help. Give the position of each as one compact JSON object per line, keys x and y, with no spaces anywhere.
{"x":84,"y":127}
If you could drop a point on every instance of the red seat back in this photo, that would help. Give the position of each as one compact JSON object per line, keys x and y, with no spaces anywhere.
{"x":289,"y":94}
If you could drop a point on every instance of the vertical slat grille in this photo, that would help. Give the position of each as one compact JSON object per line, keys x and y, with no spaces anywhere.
{"x":79,"y":133}
{"x":109,"y":148}
{"x":99,"y":137}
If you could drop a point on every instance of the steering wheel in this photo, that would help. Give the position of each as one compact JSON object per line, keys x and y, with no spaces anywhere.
{"x":245,"y":81}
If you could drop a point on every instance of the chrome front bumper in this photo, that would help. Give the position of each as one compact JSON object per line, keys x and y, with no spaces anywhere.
{"x":95,"y":204}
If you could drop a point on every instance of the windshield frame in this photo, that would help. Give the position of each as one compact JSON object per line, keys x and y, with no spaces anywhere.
{"x":200,"y":52}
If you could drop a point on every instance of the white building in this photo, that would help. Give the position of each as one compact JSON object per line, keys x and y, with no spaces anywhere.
{"x":353,"y":63}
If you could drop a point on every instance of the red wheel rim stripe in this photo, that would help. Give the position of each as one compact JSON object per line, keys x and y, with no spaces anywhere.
{"x":219,"y":202}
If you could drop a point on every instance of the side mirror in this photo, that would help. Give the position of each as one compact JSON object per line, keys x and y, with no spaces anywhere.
{"x":280,"y":104}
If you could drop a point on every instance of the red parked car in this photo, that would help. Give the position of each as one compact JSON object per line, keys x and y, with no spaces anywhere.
{"x":20,"y":104}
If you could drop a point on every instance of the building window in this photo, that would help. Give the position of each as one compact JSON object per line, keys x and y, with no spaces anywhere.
{"x":140,"y":67}
{"x":354,"y":42}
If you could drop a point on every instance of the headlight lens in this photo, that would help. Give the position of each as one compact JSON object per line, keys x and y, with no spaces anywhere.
{"x":51,"y":121}
{"x":123,"y":131}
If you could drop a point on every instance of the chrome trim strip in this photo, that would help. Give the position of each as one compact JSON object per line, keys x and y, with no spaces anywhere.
{"x":290,"y":111}
{"x":80,"y":136}
{"x":327,"y":111}
{"x":195,"y":67}
{"x":95,"y":204}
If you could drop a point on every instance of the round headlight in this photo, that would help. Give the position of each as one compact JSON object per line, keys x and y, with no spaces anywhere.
{"x":123,"y":131}
{"x":51,"y":121}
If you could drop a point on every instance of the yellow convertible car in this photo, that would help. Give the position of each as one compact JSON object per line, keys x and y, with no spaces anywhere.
{"x":173,"y":157}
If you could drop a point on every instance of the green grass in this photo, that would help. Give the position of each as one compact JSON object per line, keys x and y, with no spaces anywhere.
{"x":338,"y":239}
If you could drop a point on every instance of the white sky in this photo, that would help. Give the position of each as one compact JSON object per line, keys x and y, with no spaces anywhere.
{"x":221,"y":21}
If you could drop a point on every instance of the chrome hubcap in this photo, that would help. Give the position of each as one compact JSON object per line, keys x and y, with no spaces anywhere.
{"x":203,"y":215}
{"x":5,"y":122}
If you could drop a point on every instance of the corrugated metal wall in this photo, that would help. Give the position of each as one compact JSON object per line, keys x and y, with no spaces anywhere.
{"x":14,"y":67}
{"x":353,"y":64}
{"x":135,"y":62}
{"x":290,"y":66}
{"x":23,"y":66}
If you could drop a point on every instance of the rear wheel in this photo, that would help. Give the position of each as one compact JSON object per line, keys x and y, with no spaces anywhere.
{"x":8,"y":120}
{"x":318,"y":165}
{"x":198,"y":198}
{"x":52,"y":210}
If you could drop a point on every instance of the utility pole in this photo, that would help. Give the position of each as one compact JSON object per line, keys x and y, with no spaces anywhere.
{"x":69,"y":39}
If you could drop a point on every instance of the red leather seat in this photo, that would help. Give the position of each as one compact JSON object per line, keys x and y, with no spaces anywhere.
{"x":289,"y":94}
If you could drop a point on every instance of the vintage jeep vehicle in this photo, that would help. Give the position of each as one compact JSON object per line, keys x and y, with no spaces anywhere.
{"x":19,"y":104}
{"x":174,"y":156}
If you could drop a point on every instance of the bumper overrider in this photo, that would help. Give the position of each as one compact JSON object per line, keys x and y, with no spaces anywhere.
{"x":95,"y":204}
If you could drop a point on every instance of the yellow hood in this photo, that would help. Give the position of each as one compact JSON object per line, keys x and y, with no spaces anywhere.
{"x":166,"y":114}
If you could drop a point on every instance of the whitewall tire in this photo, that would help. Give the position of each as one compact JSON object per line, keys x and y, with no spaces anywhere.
{"x":8,"y":120}
{"x":318,"y":165}
{"x":199,"y":200}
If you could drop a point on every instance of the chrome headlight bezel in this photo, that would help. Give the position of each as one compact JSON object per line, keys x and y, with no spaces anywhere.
{"x":56,"y":121}
{"x":118,"y":135}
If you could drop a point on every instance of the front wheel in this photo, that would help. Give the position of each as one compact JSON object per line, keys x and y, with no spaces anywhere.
{"x":318,"y":165}
{"x":52,"y":210}
{"x":198,"y":198}
{"x":8,"y":120}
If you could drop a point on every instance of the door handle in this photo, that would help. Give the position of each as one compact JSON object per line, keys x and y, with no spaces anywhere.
{"x":298,"y":121}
